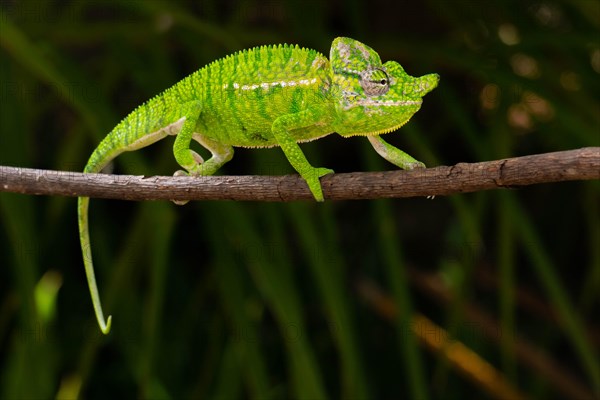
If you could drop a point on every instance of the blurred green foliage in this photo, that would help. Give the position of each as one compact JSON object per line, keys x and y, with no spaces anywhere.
{"x":249,"y":300}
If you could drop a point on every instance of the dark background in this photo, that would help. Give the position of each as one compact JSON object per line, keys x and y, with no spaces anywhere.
{"x":337,"y":300}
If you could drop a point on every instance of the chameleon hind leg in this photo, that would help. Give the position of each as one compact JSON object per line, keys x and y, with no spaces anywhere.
{"x":220,"y":154}
{"x":187,"y":158}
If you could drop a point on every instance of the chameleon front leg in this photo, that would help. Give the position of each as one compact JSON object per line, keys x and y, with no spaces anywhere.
{"x":281,"y":130}
{"x":393,"y":154}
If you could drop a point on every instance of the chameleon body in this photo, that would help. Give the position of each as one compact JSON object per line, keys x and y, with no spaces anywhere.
{"x":268,"y":96}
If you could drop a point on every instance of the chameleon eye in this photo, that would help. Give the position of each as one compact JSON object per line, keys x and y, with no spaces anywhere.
{"x":375,"y":82}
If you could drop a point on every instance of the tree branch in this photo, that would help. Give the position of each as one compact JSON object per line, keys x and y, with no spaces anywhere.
{"x":580,"y":164}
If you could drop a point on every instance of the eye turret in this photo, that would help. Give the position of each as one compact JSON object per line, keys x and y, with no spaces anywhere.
{"x":375,"y":82}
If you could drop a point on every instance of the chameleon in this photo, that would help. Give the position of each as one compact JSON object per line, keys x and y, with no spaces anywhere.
{"x":276,"y":95}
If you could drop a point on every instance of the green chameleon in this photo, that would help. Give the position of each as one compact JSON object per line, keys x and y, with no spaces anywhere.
{"x":267,"y":96}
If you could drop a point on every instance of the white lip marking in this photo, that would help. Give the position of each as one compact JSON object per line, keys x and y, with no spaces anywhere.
{"x":385,"y":103}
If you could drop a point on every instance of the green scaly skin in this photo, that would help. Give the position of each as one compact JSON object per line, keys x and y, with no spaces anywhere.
{"x":268,"y":96}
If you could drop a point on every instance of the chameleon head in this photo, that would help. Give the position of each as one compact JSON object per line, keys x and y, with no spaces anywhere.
{"x":372,"y":98}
